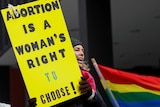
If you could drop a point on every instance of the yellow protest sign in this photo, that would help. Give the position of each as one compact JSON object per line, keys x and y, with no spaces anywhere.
{"x":42,"y":46}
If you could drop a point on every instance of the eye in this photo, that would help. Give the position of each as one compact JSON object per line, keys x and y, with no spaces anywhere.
{"x":76,"y":49}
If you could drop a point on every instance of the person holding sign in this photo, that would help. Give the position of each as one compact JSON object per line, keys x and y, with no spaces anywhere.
{"x":79,"y":52}
{"x":90,"y":97}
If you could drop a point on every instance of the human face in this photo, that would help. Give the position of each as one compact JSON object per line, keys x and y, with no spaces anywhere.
{"x":79,"y":52}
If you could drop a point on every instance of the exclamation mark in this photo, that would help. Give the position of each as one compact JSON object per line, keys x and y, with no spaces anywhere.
{"x":73,"y":87}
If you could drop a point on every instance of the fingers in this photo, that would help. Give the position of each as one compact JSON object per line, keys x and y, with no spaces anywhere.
{"x":83,"y":78}
{"x":32,"y":102}
{"x":84,"y":86}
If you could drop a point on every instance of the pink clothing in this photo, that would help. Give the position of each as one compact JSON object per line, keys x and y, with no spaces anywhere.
{"x":89,"y":78}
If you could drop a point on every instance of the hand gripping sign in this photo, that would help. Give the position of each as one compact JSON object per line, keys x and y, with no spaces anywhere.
{"x":43,"y":50}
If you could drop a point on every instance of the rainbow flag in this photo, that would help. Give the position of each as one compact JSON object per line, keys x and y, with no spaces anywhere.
{"x":131,"y":89}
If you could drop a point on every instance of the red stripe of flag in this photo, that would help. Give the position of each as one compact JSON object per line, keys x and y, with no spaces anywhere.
{"x":122,"y":77}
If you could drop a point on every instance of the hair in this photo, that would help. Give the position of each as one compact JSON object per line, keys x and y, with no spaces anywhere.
{"x":75,"y":42}
{"x":85,"y":66}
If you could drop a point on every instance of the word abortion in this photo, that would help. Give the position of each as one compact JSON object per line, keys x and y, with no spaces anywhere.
{"x":31,"y":10}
